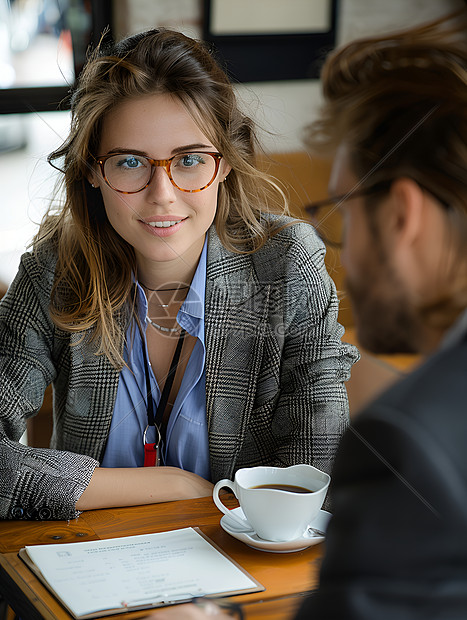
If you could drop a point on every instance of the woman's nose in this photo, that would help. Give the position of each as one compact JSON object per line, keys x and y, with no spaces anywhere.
{"x":160,"y":189}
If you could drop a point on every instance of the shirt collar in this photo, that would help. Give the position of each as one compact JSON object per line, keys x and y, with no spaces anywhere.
{"x":194,"y":302}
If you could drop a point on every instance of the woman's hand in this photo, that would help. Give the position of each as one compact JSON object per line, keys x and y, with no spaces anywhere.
{"x":133,"y":486}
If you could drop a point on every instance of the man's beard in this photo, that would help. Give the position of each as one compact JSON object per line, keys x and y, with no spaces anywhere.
{"x":385,"y":321}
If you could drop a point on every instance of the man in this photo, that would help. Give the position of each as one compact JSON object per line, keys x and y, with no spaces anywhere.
{"x":395,"y":119}
{"x":395,"y":122}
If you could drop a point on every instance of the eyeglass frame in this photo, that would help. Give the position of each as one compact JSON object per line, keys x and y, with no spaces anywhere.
{"x":379,"y":186}
{"x":162,"y":163}
{"x":339,"y":199}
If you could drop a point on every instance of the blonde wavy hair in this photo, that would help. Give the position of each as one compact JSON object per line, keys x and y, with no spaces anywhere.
{"x":93,"y":279}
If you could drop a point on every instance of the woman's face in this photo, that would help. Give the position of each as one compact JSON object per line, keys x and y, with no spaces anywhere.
{"x":159,"y":127}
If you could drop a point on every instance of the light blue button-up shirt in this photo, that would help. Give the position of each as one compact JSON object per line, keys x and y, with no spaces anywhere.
{"x":187,"y":438}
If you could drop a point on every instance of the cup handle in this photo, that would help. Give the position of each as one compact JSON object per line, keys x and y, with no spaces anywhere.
{"x":215,"y":494}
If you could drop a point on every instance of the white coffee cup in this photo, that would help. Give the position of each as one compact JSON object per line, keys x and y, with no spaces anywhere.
{"x":275,"y":514}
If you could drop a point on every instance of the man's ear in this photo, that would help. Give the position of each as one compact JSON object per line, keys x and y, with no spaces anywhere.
{"x":405,"y":211}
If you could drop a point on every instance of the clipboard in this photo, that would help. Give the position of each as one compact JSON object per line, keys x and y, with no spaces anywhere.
{"x":93,"y":579}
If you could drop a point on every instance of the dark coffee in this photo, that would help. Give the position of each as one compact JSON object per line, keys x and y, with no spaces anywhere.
{"x":283,"y":487}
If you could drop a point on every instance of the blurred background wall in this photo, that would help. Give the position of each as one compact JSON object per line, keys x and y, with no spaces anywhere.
{"x":282,"y":108}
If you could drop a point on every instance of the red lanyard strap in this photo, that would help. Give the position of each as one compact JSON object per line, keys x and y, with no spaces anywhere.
{"x":160,"y":417}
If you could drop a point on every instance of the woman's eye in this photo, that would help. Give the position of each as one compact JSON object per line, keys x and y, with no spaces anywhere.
{"x":190,"y":160}
{"x":130,"y":162}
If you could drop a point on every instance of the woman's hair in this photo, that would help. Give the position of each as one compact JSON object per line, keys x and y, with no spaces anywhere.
{"x":93,"y":280}
{"x":399,"y":103}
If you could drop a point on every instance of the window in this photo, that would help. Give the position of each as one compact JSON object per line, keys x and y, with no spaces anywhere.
{"x":43,"y":45}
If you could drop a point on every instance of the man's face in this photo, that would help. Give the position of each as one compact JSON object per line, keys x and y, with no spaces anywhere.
{"x":384,"y":318}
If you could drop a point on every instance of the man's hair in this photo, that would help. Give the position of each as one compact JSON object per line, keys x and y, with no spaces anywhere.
{"x":399,"y":102}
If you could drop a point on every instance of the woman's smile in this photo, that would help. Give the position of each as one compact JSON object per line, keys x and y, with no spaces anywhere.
{"x":164,"y":226}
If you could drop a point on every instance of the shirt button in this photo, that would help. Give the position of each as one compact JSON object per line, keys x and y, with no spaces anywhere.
{"x":16,"y":512}
{"x":44,"y":513}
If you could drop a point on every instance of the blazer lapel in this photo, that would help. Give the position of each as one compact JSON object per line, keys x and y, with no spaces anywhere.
{"x":235,"y":327}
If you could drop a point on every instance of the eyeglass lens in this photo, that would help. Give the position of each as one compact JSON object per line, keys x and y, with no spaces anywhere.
{"x":327,"y":220}
{"x":130,"y":173}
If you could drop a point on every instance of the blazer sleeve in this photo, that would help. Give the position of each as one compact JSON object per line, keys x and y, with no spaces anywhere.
{"x":312,"y":408}
{"x":34,"y":483}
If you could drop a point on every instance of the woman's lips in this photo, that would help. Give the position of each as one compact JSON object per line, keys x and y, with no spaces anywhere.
{"x":164,"y":226}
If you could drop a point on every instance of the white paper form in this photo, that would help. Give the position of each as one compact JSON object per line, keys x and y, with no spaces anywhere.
{"x":136,"y":571}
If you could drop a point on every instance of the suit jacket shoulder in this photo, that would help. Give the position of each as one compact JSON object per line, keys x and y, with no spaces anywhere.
{"x":294,"y":254}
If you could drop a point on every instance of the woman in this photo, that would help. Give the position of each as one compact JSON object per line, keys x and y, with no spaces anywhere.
{"x":180,"y":322}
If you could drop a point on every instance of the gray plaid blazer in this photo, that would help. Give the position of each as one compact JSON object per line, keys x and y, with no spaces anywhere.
{"x":275,"y":373}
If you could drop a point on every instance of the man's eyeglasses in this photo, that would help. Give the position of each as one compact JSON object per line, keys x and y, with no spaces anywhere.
{"x":326,"y":217}
{"x":130,"y":173}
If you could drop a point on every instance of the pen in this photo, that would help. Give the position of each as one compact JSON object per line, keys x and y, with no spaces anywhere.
{"x":163,"y":598}
{"x":200,"y":600}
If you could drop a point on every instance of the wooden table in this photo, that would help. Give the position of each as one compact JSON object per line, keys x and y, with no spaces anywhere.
{"x":286,"y":576}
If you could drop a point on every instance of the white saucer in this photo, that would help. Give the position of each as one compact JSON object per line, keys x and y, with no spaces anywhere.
{"x":251,"y":539}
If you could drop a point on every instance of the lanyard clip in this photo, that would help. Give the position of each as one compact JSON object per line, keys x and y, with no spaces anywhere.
{"x":152,"y":450}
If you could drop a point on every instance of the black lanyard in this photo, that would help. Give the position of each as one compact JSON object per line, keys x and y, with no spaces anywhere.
{"x":160,"y":417}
